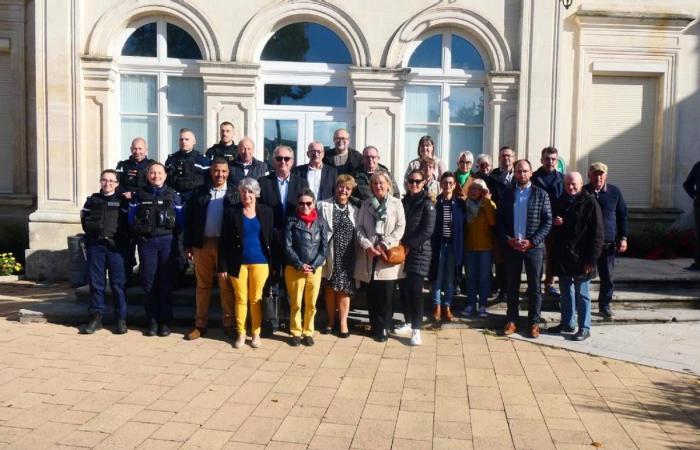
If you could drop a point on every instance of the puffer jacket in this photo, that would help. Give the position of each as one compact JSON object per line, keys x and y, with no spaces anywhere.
{"x":306,"y":245}
{"x":420,"y":224}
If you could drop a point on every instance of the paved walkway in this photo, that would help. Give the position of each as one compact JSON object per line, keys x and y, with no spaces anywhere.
{"x":462,"y":389}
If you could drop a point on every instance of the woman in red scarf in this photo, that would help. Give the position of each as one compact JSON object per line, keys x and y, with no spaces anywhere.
{"x":306,"y":238}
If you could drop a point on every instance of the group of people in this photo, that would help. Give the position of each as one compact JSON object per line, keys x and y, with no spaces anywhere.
{"x":338,"y":223}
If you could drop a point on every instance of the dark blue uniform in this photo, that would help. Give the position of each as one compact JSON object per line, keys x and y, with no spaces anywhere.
{"x":228,"y":152}
{"x":104,"y":221}
{"x":186,"y":172}
{"x":155,"y":216}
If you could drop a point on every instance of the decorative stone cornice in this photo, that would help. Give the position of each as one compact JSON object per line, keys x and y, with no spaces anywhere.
{"x":99,"y":73}
{"x":378,"y":84}
{"x":222,"y":78}
{"x":503,"y":85}
{"x":656,"y":19}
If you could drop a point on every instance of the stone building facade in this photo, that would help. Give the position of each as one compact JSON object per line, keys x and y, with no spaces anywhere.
{"x":616,"y":81}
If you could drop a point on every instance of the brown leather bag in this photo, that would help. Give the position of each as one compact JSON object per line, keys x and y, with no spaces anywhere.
{"x":395,"y":255}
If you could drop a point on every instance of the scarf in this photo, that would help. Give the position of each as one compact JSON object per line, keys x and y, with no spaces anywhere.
{"x":462,"y":177}
{"x":379,"y":210}
{"x":309,"y":218}
{"x":473,"y":207}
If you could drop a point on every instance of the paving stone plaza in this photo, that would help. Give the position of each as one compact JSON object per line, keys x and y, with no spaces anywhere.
{"x":462,"y":389}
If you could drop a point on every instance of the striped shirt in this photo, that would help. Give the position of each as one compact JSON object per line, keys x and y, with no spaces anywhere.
{"x":446,"y":220}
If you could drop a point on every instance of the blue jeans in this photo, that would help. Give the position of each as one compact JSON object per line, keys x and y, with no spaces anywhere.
{"x":479,"y":276}
{"x":606,"y":266}
{"x":445,"y":278}
{"x":575,"y":289}
{"x":102,"y":259}
{"x":158,"y":256}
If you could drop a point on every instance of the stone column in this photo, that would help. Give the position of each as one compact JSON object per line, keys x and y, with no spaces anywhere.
{"x":229,"y":90}
{"x":503,"y":94}
{"x":379,"y":113}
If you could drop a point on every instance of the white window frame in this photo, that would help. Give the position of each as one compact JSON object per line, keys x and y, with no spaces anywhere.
{"x":161,"y":67}
{"x":446,"y":77}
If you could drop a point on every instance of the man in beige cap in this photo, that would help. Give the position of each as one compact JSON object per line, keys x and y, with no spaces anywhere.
{"x":614,"y":209}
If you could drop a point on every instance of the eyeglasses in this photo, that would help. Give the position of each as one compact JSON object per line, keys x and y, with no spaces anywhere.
{"x":314,"y":150}
{"x":341,"y":139}
{"x":283,"y":158}
{"x":465,"y":162}
{"x":308,"y":204}
{"x":415,"y":181}
{"x":104,"y":180}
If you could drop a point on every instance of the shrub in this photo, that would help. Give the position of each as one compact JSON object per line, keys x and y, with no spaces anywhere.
{"x":8,"y":264}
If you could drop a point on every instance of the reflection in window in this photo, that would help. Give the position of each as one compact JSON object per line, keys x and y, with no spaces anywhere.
{"x":180,"y":44}
{"x":142,"y":42}
{"x":428,"y":54}
{"x":284,"y":94}
{"x":139,"y":110}
{"x":306,"y":42}
{"x":464,"y":55}
{"x":279,"y":132}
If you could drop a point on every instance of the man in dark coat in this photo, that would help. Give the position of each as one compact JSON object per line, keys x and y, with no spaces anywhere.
{"x":692,"y":187}
{"x":548,"y":178}
{"x":578,"y":243}
{"x":345,"y":159}
{"x":225,"y":148}
{"x":499,"y":180}
{"x":279,"y":190}
{"x":245,"y":164}
{"x":321,"y":177}
{"x":614,"y":210}
{"x":524,"y":220}
{"x":370,"y":164}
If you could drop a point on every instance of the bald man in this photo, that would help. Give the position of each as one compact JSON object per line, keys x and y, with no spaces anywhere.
{"x":245,"y":164}
{"x":578,"y":242}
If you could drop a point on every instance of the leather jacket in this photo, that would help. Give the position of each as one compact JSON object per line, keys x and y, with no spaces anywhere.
{"x":306,"y":245}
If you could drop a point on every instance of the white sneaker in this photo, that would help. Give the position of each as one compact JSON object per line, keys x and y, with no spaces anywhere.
{"x":482,"y":312}
{"x":240,"y":341}
{"x":403,"y":329}
{"x":255,"y":343}
{"x":415,"y":338}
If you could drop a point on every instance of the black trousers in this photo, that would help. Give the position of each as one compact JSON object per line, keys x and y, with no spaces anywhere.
{"x":696,"y":213}
{"x":514,"y":260}
{"x":411,"y":290}
{"x":380,"y":294}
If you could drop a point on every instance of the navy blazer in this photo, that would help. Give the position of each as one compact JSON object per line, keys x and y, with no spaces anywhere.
{"x":270,"y":196}
{"x":328,"y":176}
{"x":459,"y":220}
{"x":539,"y":216}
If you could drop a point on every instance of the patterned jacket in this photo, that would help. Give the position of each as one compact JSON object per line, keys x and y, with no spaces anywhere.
{"x":539,"y":216}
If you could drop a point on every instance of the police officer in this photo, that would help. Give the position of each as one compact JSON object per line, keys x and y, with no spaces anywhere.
{"x":132,"y":177}
{"x":104,"y":221}
{"x":226,"y":148}
{"x":186,"y":168}
{"x":155,"y":216}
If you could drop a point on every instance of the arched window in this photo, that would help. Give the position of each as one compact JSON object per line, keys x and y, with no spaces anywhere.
{"x":305,"y":88}
{"x":160,"y":92}
{"x":445,"y":96}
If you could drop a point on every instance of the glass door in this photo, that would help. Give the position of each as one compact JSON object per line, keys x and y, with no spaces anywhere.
{"x":297,"y":129}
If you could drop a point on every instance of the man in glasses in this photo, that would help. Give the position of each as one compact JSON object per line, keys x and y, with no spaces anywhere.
{"x":321,"y":177}
{"x":370,"y":164}
{"x":345,"y":159}
{"x":104,"y":220}
{"x":279,"y":190}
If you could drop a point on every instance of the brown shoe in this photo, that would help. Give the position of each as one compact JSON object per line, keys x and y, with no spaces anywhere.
{"x":509,"y":329}
{"x":196,"y":333}
{"x":230,"y":331}
{"x":535,"y":331}
{"x":436,"y":313}
{"x":448,"y":314}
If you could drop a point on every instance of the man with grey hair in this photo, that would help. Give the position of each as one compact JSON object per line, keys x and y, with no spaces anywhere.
{"x":321,"y":177}
{"x":577,"y":244}
{"x":370,"y":164}
{"x":279,"y":190}
{"x":245,"y":164}
{"x":483,"y":167}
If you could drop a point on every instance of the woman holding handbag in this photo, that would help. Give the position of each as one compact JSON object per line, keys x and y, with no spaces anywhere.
{"x":380,"y":226}
{"x":341,"y":217}
{"x":420,"y":224}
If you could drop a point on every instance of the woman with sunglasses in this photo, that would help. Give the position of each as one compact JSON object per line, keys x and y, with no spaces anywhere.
{"x":420,"y":224}
{"x":306,"y":237}
{"x":463,"y":174}
{"x":426,"y":148}
{"x":341,"y":217}
{"x":380,"y":226}
{"x":447,"y":245}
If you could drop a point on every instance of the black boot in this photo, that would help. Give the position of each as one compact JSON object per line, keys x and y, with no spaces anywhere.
{"x":163,"y":330}
{"x":94,"y":324}
{"x":152,"y":328}
{"x":121,"y":327}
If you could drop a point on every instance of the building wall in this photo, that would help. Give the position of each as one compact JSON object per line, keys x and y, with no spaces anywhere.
{"x":541,"y":62}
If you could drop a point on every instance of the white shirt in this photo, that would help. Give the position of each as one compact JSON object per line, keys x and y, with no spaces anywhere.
{"x":313,"y":176}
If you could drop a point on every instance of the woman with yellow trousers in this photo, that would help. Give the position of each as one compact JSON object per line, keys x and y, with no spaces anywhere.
{"x":245,"y":257}
{"x":306,"y":239}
